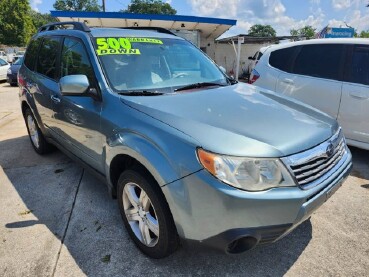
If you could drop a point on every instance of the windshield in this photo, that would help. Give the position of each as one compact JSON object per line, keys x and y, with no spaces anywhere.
{"x":162,"y":65}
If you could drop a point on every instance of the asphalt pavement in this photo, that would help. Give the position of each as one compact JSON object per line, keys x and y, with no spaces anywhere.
{"x":58,"y":220}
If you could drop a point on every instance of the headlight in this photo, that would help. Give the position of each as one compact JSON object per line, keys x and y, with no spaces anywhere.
{"x":9,"y":71}
{"x":246,"y":173}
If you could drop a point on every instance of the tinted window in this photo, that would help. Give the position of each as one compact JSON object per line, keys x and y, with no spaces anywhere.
{"x":359,"y":70}
{"x":47,"y":57}
{"x":31,"y":54}
{"x":320,"y":60}
{"x":2,"y":62}
{"x":281,"y":58}
{"x":75,"y":60}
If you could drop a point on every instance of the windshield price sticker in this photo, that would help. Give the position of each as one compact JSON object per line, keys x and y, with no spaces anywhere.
{"x":145,"y":40}
{"x":101,"y":52}
{"x":114,"y":46}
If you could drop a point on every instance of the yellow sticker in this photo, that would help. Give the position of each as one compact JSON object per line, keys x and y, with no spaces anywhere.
{"x":146,"y":40}
{"x":121,"y":46}
{"x":113,"y":43}
{"x":101,"y":52}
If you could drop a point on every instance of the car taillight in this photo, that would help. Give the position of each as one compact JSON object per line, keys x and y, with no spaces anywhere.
{"x":253,"y":76}
{"x":21,"y":81}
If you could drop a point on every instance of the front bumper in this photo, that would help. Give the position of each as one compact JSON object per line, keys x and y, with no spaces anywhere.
{"x":206,"y":210}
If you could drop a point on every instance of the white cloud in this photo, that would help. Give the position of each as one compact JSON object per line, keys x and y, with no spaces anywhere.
{"x":250,"y":12}
{"x":274,"y":13}
{"x":356,"y":19}
{"x":215,"y":8}
{"x":341,"y":4}
{"x":35,"y":4}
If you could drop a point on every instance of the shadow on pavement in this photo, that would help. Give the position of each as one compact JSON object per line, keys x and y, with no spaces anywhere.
{"x":94,"y":235}
{"x":360,"y":159}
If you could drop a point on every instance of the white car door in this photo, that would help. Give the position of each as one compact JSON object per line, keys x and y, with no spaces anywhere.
{"x":354,"y":110}
{"x":4,"y":66}
{"x":315,"y":77}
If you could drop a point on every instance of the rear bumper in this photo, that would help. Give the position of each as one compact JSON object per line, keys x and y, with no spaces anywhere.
{"x":210,"y":212}
{"x":11,"y":78}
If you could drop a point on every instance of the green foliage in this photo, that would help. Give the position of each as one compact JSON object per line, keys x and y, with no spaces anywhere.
{"x":149,"y":7}
{"x":77,"y":5}
{"x":294,"y":32}
{"x":364,"y":34}
{"x":259,"y":30}
{"x":40,"y":19}
{"x":307,"y":31}
{"x":16,"y":26}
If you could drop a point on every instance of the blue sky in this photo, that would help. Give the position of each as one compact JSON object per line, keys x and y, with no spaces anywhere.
{"x":282,"y":15}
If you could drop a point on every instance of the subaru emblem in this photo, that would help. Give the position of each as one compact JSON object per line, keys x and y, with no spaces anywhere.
{"x":329,"y":150}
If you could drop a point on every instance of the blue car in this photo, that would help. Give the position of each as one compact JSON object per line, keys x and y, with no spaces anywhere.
{"x":12,"y":74}
{"x":188,"y":152}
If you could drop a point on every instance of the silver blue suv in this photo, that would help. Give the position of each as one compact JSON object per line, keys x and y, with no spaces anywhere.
{"x":188,"y":152}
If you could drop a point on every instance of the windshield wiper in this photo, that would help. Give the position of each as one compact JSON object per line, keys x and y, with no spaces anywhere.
{"x":232,"y":81}
{"x":199,"y":85}
{"x":141,"y":93}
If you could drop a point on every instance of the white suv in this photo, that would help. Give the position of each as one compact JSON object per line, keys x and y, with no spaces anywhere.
{"x":329,"y":74}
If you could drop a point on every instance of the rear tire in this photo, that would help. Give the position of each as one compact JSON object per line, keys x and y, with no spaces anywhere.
{"x":146,"y":214}
{"x":36,"y":137}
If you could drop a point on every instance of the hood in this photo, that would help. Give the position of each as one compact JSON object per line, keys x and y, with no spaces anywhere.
{"x":240,"y":120}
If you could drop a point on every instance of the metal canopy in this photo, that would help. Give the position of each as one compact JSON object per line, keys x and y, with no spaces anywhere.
{"x":209,"y":27}
{"x":252,"y":39}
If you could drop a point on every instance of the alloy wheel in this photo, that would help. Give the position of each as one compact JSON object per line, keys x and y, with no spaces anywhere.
{"x":33,"y":132}
{"x":140,"y":214}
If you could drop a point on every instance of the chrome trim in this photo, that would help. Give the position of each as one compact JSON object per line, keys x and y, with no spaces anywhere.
{"x":322,"y":160}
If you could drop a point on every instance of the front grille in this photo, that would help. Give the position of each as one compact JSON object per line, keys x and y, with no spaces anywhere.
{"x":313,"y":165}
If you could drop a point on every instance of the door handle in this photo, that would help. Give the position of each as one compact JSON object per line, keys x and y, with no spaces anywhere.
{"x":359,"y":95}
{"x":55,"y":99}
{"x":288,"y":81}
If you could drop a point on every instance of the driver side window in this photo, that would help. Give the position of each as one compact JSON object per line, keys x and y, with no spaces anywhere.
{"x":75,"y":61}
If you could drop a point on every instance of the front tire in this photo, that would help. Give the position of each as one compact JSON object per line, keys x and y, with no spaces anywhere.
{"x":146,"y":214}
{"x":36,"y":137}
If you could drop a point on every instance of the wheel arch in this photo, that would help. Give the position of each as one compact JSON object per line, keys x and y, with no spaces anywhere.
{"x":128,"y":150}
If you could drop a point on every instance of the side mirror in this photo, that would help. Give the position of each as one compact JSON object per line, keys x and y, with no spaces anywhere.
{"x":250,"y":58}
{"x":74,"y":84}
{"x":223,"y":69}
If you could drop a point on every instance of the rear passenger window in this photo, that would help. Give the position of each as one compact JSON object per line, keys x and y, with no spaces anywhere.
{"x":2,"y":62}
{"x":31,"y":54}
{"x":47,"y":57}
{"x":281,"y":58}
{"x":75,"y":60}
{"x":359,"y":70}
{"x":320,"y":60}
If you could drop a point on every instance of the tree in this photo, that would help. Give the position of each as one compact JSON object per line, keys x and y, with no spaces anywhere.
{"x":40,"y":19}
{"x":364,"y":34}
{"x":77,"y":5}
{"x":307,"y":31}
{"x":150,"y":7}
{"x":259,"y":30}
{"x":16,"y":26}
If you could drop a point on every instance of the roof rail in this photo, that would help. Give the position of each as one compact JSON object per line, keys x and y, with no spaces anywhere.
{"x":158,"y":29}
{"x":81,"y":26}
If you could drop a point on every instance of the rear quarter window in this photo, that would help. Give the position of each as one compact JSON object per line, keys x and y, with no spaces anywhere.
{"x":282,"y":58}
